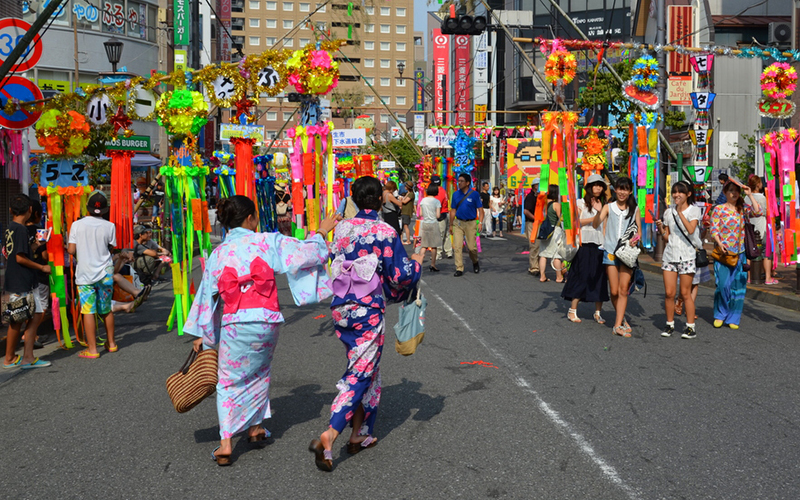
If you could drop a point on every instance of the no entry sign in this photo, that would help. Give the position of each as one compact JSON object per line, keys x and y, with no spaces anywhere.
{"x":11,"y":31}
{"x":22,"y":90}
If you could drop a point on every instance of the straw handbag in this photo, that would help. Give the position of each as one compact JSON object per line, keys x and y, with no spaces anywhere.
{"x":195,"y":381}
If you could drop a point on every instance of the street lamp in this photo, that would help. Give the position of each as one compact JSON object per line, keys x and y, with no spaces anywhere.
{"x":113,"y":51}
{"x":401,"y":66}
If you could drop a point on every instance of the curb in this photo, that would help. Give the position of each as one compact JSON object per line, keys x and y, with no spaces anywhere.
{"x":781,"y":299}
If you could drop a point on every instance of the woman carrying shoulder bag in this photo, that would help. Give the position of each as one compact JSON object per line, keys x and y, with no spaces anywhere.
{"x":391,"y":206}
{"x":679,"y":229}
{"x":550,"y":243}
{"x":727,"y":229}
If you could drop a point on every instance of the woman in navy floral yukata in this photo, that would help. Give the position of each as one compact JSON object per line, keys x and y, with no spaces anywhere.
{"x":370,"y":268}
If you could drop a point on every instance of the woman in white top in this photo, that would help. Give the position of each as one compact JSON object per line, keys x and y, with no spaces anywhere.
{"x":496,"y":205}
{"x":760,"y":226}
{"x":678,"y":228}
{"x":618,"y":216}
{"x":587,"y":279}
{"x":431,"y":236}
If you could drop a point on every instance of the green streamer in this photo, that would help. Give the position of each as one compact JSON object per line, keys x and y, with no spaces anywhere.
{"x":544,"y":177}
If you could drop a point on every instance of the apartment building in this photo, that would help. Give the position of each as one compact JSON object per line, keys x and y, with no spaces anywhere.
{"x":379,"y":36}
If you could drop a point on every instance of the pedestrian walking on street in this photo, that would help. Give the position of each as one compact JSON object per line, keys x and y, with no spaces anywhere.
{"x":486,"y":222}
{"x":727,"y":229}
{"x":445,"y":248}
{"x":679,"y":228}
{"x":90,"y":241}
{"x":497,"y":206}
{"x":760,"y":226}
{"x":41,"y":294}
{"x":20,"y":284}
{"x":370,"y":268}
{"x":587,"y":278}
{"x":430,"y":208}
{"x":391,"y":206}
{"x":549,"y":244}
{"x":529,"y":207}
{"x":465,"y":212}
{"x":238,"y":285}
{"x":617,"y":217}
{"x":407,"y":212}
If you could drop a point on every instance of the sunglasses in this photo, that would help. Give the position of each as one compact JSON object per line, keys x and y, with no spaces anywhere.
{"x":525,"y":157}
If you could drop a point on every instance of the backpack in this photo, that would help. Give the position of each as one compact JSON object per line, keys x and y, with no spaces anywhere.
{"x":349,"y":208}
{"x":546,"y":229}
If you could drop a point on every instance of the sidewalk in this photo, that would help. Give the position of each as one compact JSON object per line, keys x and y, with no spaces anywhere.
{"x":784,"y":294}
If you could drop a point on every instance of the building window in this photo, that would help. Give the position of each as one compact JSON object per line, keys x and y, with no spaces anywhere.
{"x":386,"y":11}
{"x":254,"y":23}
{"x":371,"y":116}
{"x":386,"y":46}
{"x":271,"y":99}
{"x":385,"y":28}
{"x":401,"y":29}
{"x":254,"y":41}
{"x":369,"y":63}
{"x":401,"y":82}
{"x":254,"y":4}
{"x":271,"y":40}
{"x":272,"y":5}
{"x":322,"y":26}
{"x":385,"y":63}
{"x":370,"y":80}
{"x":321,"y":8}
{"x":384,"y":117}
{"x":369,"y":45}
{"x":401,"y":61}
{"x":272,"y":116}
{"x":289,"y":24}
{"x":271,"y":134}
{"x":305,"y":7}
{"x":289,"y":42}
{"x":287,"y":115}
{"x":369,"y":99}
{"x":401,"y":47}
{"x":385,"y":82}
{"x":369,"y":28}
{"x":370,"y":11}
{"x":304,"y":42}
{"x":386,"y":99}
{"x":400,"y":100}
{"x":401,"y":12}
{"x":288,"y":6}
{"x":271,"y":23}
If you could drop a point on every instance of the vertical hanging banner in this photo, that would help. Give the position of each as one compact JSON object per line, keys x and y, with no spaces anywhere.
{"x":441,"y":67}
{"x":679,"y":27}
{"x":225,"y":47}
{"x":419,"y":90}
{"x":461,"y":100}
{"x":182,"y":22}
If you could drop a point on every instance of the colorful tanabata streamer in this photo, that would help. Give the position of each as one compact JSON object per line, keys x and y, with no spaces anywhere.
{"x":779,"y":148}
{"x":643,"y":147}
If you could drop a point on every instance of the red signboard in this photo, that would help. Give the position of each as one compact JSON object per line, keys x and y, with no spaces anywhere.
{"x":679,"y":28}
{"x":225,"y":42}
{"x":461,"y":97}
{"x":441,"y":68}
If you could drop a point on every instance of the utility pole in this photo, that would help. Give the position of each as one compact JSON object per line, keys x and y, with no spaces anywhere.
{"x":27,"y":38}
{"x":196,"y":41}
{"x":77,"y":81}
{"x":661,"y":28}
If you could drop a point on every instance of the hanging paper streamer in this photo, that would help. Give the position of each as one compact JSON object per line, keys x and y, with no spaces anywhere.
{"x":245,"y":175}
{"x":121,"y":213}
{"x":779,"y":160}
{"x":644,"y":158}
{"x":702,"y":65}
{"x":464,"y":150}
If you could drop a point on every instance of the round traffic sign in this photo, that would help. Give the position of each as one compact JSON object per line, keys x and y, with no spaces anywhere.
{"x":11,"y":32}
{"x":22,"y":90}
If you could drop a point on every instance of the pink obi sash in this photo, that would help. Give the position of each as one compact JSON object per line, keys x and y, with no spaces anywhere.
{"x":254,"y":290}
{"x":355,"y":276}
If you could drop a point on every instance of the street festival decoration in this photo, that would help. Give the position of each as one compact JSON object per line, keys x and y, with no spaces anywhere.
{"x":778,"y":82}
{"x":62,"y":134}
{"x":464,"y":153}
{"x":641,"y":88}
{"x":560,"y":69}
{"x":779,"y":149}
{"x":702,"y":66}
{"x":643,"y":147}
{"x":701,"y":102}
{"x":594,"y":154}
{"x":182,"y":112}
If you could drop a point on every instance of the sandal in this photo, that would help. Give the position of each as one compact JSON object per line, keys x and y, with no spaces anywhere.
{"x":544,"y":280}
{"x":620,"y":330}
{"x":598,"y":318}
{"x":15,"y":363}
{"x":772,"y":281}
{"x":322,"y":458}
{"x":222,"y":460}
{"x":572,"y":315}
{"x":261,"y":439}
{"x":368,"y":442}
{"x":87,"y":355}
{"x":109,"y":348}
{"x":434,"y":269}
{"x":627,"y":327}
{"x":679,"y":307}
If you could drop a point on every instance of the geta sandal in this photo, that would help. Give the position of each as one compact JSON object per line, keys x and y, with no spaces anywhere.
{"x":222,"y":460}
{"x":368,"y":442}
{"x":261,"y":439}
{"x":322,"y":457}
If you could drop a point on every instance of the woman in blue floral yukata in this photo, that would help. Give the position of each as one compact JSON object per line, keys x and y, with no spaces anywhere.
{"x":236,"y":311}
{"x":370,"y":268}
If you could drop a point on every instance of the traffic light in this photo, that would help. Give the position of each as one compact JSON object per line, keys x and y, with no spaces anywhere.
{"x":462,"y":24}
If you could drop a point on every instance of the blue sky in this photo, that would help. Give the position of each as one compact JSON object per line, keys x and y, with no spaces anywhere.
{"x":421,"y":9}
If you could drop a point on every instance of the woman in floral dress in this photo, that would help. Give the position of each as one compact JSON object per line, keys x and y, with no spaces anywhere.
{"x":236,"y":311}
{"x":369,"y":269}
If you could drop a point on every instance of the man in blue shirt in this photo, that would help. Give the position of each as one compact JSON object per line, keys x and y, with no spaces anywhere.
{"x":466,"y":210}
{"x":721,"y":199}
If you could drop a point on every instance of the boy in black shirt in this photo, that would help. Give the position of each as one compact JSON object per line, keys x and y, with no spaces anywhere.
{"x":20,"y":283}
{"x":41,"y":294}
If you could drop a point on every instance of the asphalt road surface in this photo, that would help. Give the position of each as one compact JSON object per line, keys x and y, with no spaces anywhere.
{"x":504,"y":399}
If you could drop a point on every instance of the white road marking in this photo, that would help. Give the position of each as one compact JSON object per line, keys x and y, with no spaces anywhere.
{"x":544,"y":407}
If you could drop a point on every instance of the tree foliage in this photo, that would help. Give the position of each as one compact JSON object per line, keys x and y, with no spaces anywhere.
{"x":400,"y":151}
{"x":743,"y":161}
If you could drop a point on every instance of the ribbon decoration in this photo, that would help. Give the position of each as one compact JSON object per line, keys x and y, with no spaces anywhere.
{"x":121,"y":213}
{"x":249,"y":291}
{"x":355,"y":276}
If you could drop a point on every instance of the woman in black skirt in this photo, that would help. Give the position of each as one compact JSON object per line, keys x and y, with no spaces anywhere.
{"x":587,"y":277}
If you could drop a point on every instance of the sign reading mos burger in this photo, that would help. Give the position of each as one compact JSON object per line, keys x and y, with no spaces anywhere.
{"x":132,"y":143}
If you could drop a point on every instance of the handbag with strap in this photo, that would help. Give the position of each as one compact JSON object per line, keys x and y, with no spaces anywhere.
{"x":410,"y":327}
{"x":750,"y":242}
{"x":727,"y":259}
{"x":195,"y":381}
{"x":546,"y":229}
{"x":625,"y":252}
{"x":701,"y":256}
{"x":20,"y":309}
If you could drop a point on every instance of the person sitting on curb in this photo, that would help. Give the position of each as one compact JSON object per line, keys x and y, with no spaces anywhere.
{"x":147,"y":253}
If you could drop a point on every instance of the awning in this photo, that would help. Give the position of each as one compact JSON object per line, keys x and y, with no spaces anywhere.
{"x":141,"y":160}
